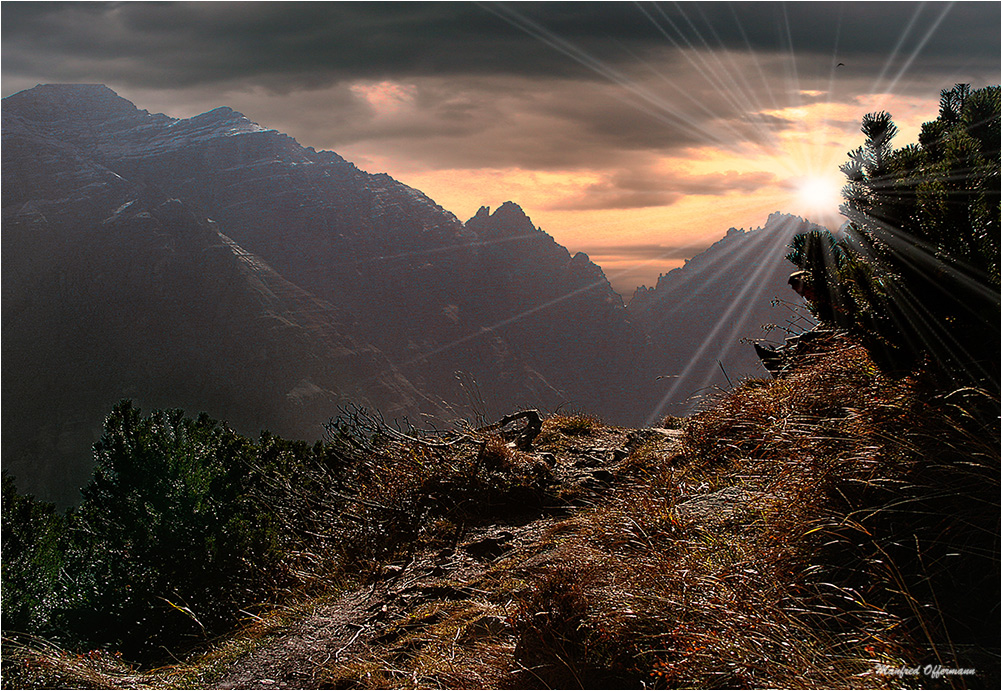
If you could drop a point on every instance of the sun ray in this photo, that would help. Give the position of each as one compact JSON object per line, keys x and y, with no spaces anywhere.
{"x":726,"y":330}
{"x":776,"y":256}
{"x":918,"y":49}
{"x":706,"y":70}
{"x":802,"y":160}
{"x":397,"y":256}
{"x":922,"y":258}
{"x":750,"y":94}
{"x":661,"y":108}
{"x":767,"y":87}
{"x":817,"y":190}
{"x":893,"y":54}
{"x":504,"y":322}
{"x":819,"y":151}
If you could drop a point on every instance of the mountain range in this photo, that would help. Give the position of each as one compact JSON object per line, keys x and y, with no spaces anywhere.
{"x":215,"y":265}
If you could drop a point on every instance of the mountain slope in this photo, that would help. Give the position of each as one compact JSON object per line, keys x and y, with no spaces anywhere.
{"x":120,"y":210}
{"x":569,"y":323}
{"x":384,"y":297}
{"x":701,"y":317}
{"x":410,"y":271}
{"x":112,"y":290}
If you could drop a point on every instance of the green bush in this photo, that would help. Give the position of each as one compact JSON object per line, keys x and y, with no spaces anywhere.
{"x":33,"y":555}
{"x":162,"y":533}
{"x":165,"y":548}
{"x":915,"y":273}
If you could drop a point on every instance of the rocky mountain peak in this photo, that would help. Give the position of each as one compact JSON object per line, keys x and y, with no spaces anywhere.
{"x":507,"y":221}
{"x":55,"y":102}
{"x":224,"y":117}
{"x":719,"y":300}
{"x":779,"y":218}
{"x":225,"y":122}
{"x":511,"y":210}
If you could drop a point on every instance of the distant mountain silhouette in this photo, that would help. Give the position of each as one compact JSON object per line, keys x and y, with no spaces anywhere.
{"x":212,"y":264}
{"x":701,"y":316}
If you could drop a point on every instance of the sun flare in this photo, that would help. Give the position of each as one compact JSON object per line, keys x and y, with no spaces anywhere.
{"x":819,"y":195}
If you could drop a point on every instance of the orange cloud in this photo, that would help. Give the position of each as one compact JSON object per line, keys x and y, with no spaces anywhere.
{"x":385,"y":97}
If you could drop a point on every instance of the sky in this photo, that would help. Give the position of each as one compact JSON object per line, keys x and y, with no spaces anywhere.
{"x":638,"y":133}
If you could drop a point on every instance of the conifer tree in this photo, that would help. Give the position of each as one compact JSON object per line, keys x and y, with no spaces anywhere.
{"x":917,"y":269}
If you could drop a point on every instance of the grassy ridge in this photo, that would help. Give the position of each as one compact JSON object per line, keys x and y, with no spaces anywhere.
{"x":802,"y":532}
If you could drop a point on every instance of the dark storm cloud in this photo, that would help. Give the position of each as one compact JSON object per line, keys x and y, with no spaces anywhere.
{"x":283,"y":45}
{"x":545,"y":86}
{"x":293,"y":45}
{"x":540,"y":123}
{"x":463,"y":122}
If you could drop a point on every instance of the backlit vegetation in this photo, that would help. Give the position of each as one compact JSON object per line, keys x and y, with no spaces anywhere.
{"x":915,"y":272}
{"x":800,"y":531}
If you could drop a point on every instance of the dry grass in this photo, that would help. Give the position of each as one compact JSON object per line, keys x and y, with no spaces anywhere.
{"x":441,"y":644}
{"x":575,"y":425}
{"x":822,"y":524}
{"x":397,"y":493}
{"x":804,"y":531}
{"x":32,"y":663}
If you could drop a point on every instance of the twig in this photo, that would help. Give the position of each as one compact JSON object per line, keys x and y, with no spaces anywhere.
{"x":347,"y":645}
{"x":725,"y":374}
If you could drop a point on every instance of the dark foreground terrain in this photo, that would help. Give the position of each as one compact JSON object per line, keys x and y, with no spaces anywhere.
{"x":821,"y":529}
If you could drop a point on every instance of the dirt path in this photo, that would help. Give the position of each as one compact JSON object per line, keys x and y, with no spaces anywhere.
{"x":374,"y":614}
{"x":459,"y":592}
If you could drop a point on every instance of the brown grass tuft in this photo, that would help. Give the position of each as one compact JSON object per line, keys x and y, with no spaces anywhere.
{"x":797,"y":533}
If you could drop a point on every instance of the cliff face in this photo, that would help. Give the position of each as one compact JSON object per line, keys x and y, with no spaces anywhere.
{"x":700,"y":318}
{"x":215,"y":265}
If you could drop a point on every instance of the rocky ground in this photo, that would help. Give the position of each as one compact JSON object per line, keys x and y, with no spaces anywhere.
{"x":444,"y":611}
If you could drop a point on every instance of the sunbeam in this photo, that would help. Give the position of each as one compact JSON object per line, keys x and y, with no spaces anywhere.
{"x":918,"y":49}
{"x":501,"y":344}
{"x":504,"y":322}
{"x":656,"y":106}
{"x":723,"y":335}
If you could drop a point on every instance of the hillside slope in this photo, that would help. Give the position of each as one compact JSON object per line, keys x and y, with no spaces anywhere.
{"x":827,"y":529}
{"x":213,"y":264}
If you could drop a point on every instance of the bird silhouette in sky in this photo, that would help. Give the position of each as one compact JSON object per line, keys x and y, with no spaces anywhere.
{"x":841,"y":64}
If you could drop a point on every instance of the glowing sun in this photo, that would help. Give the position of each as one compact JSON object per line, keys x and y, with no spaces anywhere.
{"x":819,"y":196}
